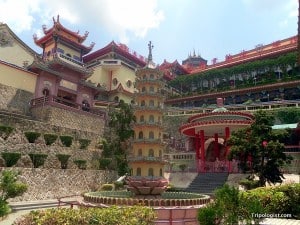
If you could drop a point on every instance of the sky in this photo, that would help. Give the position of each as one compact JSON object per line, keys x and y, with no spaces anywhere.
{"x":177,"y":28}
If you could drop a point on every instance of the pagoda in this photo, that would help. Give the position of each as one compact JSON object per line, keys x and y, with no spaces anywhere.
{"x":146,"y":162}
{"x":62,"y":75}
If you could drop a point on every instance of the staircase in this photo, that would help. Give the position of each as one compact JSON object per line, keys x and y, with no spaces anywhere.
{"x":206,"y":183}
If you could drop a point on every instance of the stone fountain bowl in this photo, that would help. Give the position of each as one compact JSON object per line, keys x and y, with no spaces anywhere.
{"x":147,"y":185}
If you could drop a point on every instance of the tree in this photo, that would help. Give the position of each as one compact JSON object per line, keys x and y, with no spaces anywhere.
{"x":10,"y":188}
{"x":120,"y":131}
{"x":259,"y":149}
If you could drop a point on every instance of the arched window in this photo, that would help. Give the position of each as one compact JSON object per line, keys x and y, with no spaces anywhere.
{"x":151,"y":119}
{"x":141,"y":135}
{"x":143,"y":103}
{"x":151,"y":135}
{"x":160,"y":172}
{"x":151,"y":76}
{"x":144,"y":77}
{"x":85,"y":105}
{"x":143,"y":89}
{"x":140,"y":153}
{"x":150,"y":172}
{"x":151,"y":153}
{"x":138,"y":171}
{"x":142,"y":118}
{"x":116,"y":99}
{"x":46,"y":92}
{"x":151,"y":103}
{"x":151,"y":89}
{"x":115,"y":81}
{"x":160,"y":153}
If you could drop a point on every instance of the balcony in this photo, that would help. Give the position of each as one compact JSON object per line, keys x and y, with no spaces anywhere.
{"x":148,"y":141}
{"x":145,"y":159}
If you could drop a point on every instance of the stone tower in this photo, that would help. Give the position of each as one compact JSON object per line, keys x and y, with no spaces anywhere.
{"x":146,"y":161}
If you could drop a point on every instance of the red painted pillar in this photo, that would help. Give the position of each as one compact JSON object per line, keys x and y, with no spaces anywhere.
{"x":216,"y":146}
{"x":197,"y":147}
{"x":227,"y":136}
{"x":202,"y":141}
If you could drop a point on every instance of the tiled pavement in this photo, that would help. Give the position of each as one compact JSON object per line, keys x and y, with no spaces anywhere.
{"x":280,"y":222}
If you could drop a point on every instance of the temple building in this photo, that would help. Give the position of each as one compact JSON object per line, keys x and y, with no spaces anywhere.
{"x":146,"y":161}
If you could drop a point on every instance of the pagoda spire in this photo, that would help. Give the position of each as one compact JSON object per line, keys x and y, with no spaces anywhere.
{"x":150,"y":62}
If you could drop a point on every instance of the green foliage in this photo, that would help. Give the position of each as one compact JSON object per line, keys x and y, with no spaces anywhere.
{"x":50,"y":138}
{"x":209,"y":215}
{"x":84,"y":143}
{"x":37,"y":159}
{"x":278,"y":199}
{"x":80,"y":163}
{"x":230,"y":207}
{"x":182,"y":167}
{"x":249,"y":184}
{"x":260,"y":143}
{"x":63,"y":160}
{"x":10,"y":188}
{"x":32,"y":136}
{"x":66,"y":140}
{"x":107,"y":187}
{"x":288,"y":115}
{"x":11,"y":158}
{"x":135,"y":215}
{"x":104,"y":163}
{"x":5,"y":131}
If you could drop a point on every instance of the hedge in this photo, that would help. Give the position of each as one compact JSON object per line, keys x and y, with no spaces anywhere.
{"x":80,"y":163}
{"x":37,"y":159}
{"x":50,"y":138}
{"x":66,"y":140}
{"x":5,"y":131}
{"x":32,"y":136}
{"x":63,"y":160}
{"x":84,"y":143}
{"x":11,"y":158}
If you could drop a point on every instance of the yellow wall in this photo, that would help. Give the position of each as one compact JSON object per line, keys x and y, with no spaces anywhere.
{"x":15,"y":54}
{"x":17,"y":78}
{"x":68,"y":50}
{"x":145,"y":167}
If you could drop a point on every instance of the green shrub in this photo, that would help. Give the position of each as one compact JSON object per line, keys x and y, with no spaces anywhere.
{"x":66,"y":140}
{"x":208,"y":215}
{"x":63,"y":160}
{"x":11,"y":158}
{"x":84,"y":143}
{"x":5,"y":131}
{"x":134,"y":215}
{"x":107,"y":187}
{"x":104,"y":163}
{"x":9,"y":188}
{"x":80,"y":163}
{"x":279,"y":199}
{"x":50,"y":138}
{"x":249,"y":184}
{"x":37,"y":159}
{"x":32,"y":136}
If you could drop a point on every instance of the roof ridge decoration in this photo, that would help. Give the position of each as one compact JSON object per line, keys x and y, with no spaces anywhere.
{"x":150,"y":63}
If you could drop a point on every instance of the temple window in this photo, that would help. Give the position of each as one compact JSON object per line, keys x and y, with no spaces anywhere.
{"x":116,"y":99}
{"x":151,"y":153}
{"x":115,"y":81}
{"x":151,"y":119}
{"x":140,"y":153}
{"x":151,"y":135}
{"x":151,"y":103}
{"x":142,"y":118}
{"x":150,"y":172}
{"x":151,"y":76}
{"x":160,"y":172}
{"x":143,"y":89}
{"x":85,"y":105}
{"x":143,"y":103}
{"x":48,"y":53}
{"x":69,"y":55}
{"x":144,"y":77}
{"x":141,"y":135}
{"x":45,"y":92}
{"x":151,"y":89}
{"x":129,"y":83}
{"x":138,"y":171}
{"x":160,"y":153}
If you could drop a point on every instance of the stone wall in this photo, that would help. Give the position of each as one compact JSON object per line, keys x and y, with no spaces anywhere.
{"x":15,"y":100}
{"x":53,"y":183}
{"x":69,"y":119}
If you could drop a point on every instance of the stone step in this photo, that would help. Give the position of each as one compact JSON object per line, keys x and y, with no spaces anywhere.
{"x":4,"y":112}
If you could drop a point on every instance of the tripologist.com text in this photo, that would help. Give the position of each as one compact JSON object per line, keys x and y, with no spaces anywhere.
{"x":271,"y":215}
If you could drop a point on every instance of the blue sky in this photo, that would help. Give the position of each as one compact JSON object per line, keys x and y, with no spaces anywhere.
{"x":211,"y":28}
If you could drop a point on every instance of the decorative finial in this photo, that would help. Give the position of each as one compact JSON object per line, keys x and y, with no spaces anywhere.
{"x":150,"y":47}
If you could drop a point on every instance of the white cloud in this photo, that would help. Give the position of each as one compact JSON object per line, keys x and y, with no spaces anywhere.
{"x":121,"y":18}
{"x":18,"y":13}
